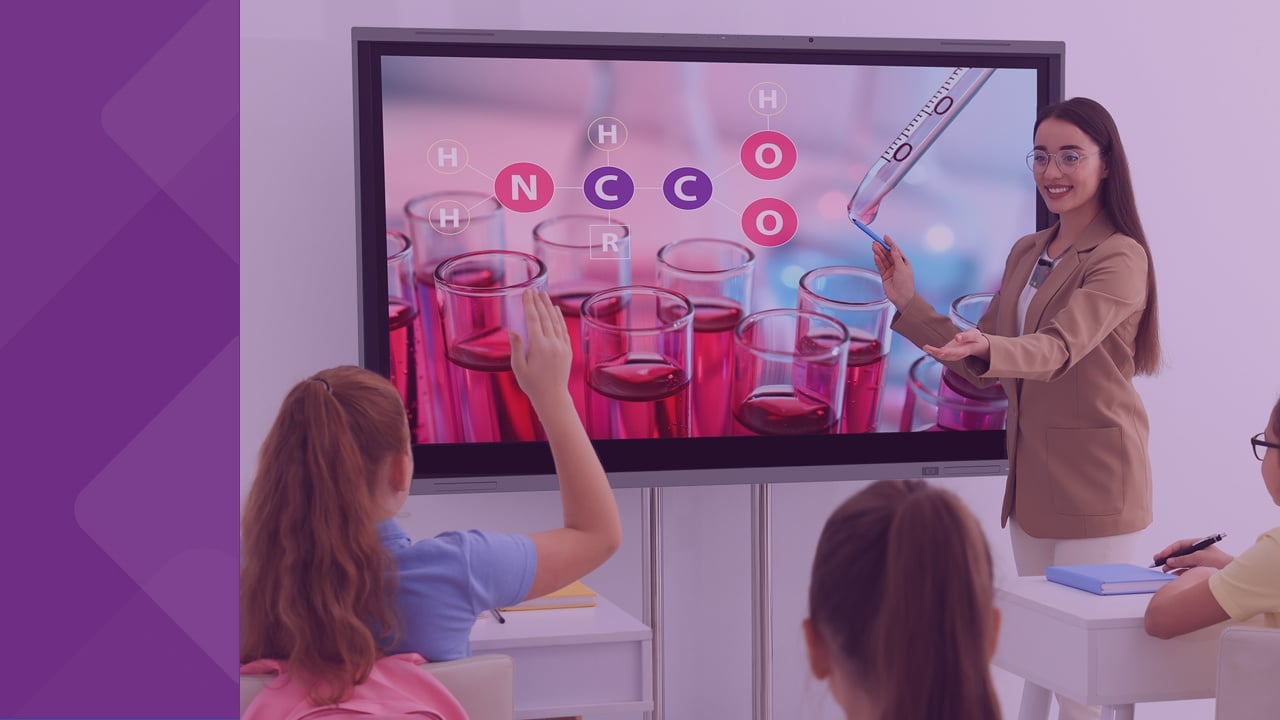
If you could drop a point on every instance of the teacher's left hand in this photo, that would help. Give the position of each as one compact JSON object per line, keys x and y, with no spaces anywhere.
{"x":964,"y":344}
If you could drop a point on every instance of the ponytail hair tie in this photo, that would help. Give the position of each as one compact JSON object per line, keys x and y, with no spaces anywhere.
{"x":324,"y":382}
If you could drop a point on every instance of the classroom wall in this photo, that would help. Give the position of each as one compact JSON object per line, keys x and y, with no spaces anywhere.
{"x":1181,"y":86}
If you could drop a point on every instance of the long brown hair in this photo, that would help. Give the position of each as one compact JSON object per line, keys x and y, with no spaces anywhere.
{"x":902,"y":589}
{"x":1118,"y":202}
{"x":315,"y":578}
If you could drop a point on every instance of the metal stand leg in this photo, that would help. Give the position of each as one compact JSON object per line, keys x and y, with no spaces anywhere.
{"x":651,"y":560}
{"x":761,"y":612}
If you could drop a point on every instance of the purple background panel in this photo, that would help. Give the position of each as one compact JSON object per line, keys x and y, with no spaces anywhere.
{"x":119,"y":316}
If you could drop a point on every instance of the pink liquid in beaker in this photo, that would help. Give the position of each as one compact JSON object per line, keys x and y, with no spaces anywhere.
{"x":783,"y":412}
{"x":571,"y":307}
{"x":713,"y":326}
{"x":965,"y":406}
{"x":442,"y":405}
{"x":497,"y":409}
{"x":864,"y":380}
{"x":408,"y":372}
{"x":638,"y":397}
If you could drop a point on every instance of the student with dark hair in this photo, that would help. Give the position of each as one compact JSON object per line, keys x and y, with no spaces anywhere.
{"x":330,"y":581}
{"x":901,"y":621}
{"x":1214,"y":586}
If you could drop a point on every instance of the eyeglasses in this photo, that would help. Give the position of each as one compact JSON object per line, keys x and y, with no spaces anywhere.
{"x":1067,"y":160}
{"x":1260,"y":445}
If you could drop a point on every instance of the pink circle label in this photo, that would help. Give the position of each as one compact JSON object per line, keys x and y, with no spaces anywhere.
{"x":524,"y":187}
{"x":768,"y":155}
{"x":769,"y":222}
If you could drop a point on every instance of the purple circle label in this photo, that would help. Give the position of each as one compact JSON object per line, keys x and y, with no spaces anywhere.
{"x":687,"y":188}
{"x":608,"y":188}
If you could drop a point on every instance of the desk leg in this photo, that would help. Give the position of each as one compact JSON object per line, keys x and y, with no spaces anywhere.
{"x":1117,"y":712}
{"x":651,"y":559}
{"x":1035,"y":702}
{"x":762,"y":615}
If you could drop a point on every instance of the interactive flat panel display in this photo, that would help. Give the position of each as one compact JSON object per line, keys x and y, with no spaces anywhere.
{"x":688,"y":202}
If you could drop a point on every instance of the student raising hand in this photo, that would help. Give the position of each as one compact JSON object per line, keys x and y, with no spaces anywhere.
{"x":592,"y":529}
{"x":335,"y":472}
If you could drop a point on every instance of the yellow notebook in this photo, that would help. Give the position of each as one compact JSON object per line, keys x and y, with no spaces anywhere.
{"x":573,"y":595}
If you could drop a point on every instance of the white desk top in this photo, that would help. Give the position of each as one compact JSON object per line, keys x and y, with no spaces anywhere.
{"x":1095,"y":648}
{"x":1073,"y":606}
{"x":603,"y":623}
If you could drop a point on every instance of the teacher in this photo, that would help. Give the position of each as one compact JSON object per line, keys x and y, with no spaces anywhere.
{"x":1073,"y":322}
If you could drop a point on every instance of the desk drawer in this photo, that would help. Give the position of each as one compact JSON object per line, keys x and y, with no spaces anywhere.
{"x":560,"y":680}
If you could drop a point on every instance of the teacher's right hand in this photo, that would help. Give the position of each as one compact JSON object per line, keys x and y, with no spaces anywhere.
{"x":895,"y":273}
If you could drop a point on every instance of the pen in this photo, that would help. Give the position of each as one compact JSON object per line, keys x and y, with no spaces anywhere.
{"x":1196,"y":547}
{"x":498,"y":616}
{"x":872,"y":233}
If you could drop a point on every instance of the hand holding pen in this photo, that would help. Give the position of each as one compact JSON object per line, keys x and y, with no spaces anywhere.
{"x":1193,"y":552}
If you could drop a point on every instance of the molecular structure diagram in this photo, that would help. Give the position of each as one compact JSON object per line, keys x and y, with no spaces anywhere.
{"x":526,"y":187}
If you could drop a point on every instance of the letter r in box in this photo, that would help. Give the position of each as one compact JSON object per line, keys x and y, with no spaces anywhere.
{"x":610,"y":242}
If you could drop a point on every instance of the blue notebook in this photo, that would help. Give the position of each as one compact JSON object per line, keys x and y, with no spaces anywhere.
{"x":1110,"y":579}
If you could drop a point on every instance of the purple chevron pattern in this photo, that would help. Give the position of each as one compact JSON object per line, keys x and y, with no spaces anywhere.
{"x":119,"y":360}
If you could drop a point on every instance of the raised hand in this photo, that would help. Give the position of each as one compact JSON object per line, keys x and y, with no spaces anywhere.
{"x":542,"y":368}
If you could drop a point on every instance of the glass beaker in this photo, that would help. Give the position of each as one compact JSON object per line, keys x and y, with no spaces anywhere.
{"x":926,"y":409}
{"x":480,"y":297}
{"x":638,"y":343}
{"x":716,"y":277}
{"x":855,"y":297}
{"x":788,"y":373}
{"x":443,"y":225}
{"x":584,"y":254}
{"x":966,"y":311}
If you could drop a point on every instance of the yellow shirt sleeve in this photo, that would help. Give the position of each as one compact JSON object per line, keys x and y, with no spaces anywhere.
{"x":1250,"y":584}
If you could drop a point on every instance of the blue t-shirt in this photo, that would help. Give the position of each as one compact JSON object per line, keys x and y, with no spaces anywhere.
{"x":446,"y":582}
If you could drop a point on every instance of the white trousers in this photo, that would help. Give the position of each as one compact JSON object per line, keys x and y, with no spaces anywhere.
{"x":1032,"y":555}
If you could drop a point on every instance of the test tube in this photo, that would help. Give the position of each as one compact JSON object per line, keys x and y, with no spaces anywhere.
{"x":854,"y":296}
{"x":926,"y":410}
{"x":584,"y":254}
{"x":481,"y":299}
{"x":990,"y":404}
{"x":910,"y":144}
{"x":638,"y":343}
{"x":788,"y":373}
{"x":437,"y":237}
{"x":715,"y":275}
{"x":408,"y":353}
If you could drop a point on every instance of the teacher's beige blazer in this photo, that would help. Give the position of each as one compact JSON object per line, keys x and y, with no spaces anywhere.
{"x":1077,"y":429}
